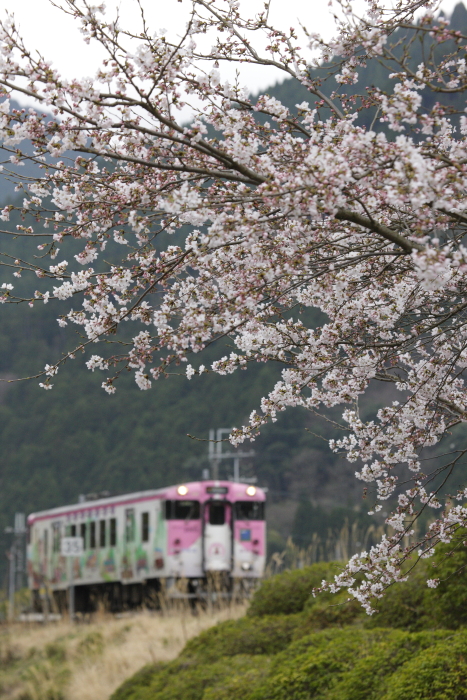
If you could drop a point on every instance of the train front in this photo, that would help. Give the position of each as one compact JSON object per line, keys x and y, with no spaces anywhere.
{"x":231,"y":527}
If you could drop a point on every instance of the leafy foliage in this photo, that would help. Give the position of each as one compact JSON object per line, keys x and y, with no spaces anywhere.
{"x":438,"y":672}
{"x":412,"y":605}
{"x":268,"y":635}
{"x":190,"y":680}
{"x":329,"y":651}
{"x":288,"y":592}
{"x":339,"y":664}
{"x":141,"y":680}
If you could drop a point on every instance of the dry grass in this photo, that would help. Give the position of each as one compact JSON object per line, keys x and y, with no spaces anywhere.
{"x":89,"y":660}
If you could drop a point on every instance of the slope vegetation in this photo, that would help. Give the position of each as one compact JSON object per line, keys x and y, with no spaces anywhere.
{"x":293,"y":646}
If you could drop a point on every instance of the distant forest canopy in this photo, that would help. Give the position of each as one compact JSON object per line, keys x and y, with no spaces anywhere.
{"x":376,"y":75}
{"x":77,"y":439}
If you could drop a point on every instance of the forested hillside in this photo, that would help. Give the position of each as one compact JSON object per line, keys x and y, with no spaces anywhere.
{"x":377,"y":75}
{"x":77,"y":439}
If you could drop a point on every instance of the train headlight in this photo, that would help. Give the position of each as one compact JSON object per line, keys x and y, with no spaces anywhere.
{"x":246,"y":566}
{"x":251,"y":491}
{"x":182,"y":490}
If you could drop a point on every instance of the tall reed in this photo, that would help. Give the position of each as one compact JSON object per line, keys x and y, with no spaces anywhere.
{"x":337,"y":545}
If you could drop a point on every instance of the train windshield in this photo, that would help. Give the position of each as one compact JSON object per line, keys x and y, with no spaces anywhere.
{"x":182,"y":510}
{"x":249,"y":510}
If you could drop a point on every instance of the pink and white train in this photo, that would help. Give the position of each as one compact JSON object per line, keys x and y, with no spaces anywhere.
{"x":138,"y":543}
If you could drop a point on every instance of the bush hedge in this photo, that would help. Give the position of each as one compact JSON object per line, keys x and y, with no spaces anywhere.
{"x":374,"y":669}
{"x":325,"y":648}
{"x":437,"y":673}
{"x":335,"y":610}
{"x":195,"y":680}
{"x":267,"y":635}
{"x":413,"y":606}
{"x":143,"y":678}
{"x":335,"y":664}
{"x":287,"y":593}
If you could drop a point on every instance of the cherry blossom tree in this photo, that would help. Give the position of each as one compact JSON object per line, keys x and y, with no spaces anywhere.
{"x":239,"y":222}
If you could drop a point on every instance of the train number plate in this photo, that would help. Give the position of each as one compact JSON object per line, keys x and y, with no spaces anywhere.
{"x":71,"y":546}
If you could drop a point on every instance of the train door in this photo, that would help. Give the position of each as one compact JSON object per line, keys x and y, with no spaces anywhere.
{"x":217,"y":536}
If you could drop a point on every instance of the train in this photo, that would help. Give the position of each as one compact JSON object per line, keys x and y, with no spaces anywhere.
{"x":182,"y":541}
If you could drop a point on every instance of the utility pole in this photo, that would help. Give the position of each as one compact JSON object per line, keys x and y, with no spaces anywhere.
{"x":11,"y":582}
{"x":236,"y":466}
{"x":16,"y":561}
{"x":213,"y":451}
{"x":215,"y":454}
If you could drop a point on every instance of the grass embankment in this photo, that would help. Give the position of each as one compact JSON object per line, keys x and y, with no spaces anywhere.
{"x":292,"y":646}
{"x":88,"y":661}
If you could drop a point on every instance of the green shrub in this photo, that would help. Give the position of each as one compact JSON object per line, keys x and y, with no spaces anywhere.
{"x":214,"y":657}
{"x":331,"y":611}
{"x":371,"y":674}
{"x":267,"y":635}
{"x":326,"y":648}
{"x":333,"y":664}
{"x":197,"y":679}
{"x":311,"y":666}
{"x":188,"y":679}
{"x":130,"y":689}
{"x":241,"y":686}
{"x":345,"y":664}
{"x":447,"y":603}
{"x":413,"y":606}
{"x":437,"y":673}
{"x":287,"y":593}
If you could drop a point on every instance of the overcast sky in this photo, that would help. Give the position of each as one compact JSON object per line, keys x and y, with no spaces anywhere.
{"x":56,"y":35}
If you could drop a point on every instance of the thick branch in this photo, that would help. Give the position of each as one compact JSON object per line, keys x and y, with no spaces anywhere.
{"x":380,"y":229}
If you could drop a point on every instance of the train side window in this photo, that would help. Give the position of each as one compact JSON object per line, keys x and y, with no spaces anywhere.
{"x":130,"y":525}
{"x":182,"y":510}
{"x":92,"y":535}
{"x":113,"y":532}
{"x":249,"y":510}
{"x":145,"y":527}
{"x":82,"y":533}
{"x":102,"y":533}
{"x":216,"y":513}
{"x":72,"y":530}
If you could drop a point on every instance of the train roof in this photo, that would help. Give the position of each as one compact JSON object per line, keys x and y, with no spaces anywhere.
{"x":195,"y":489}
